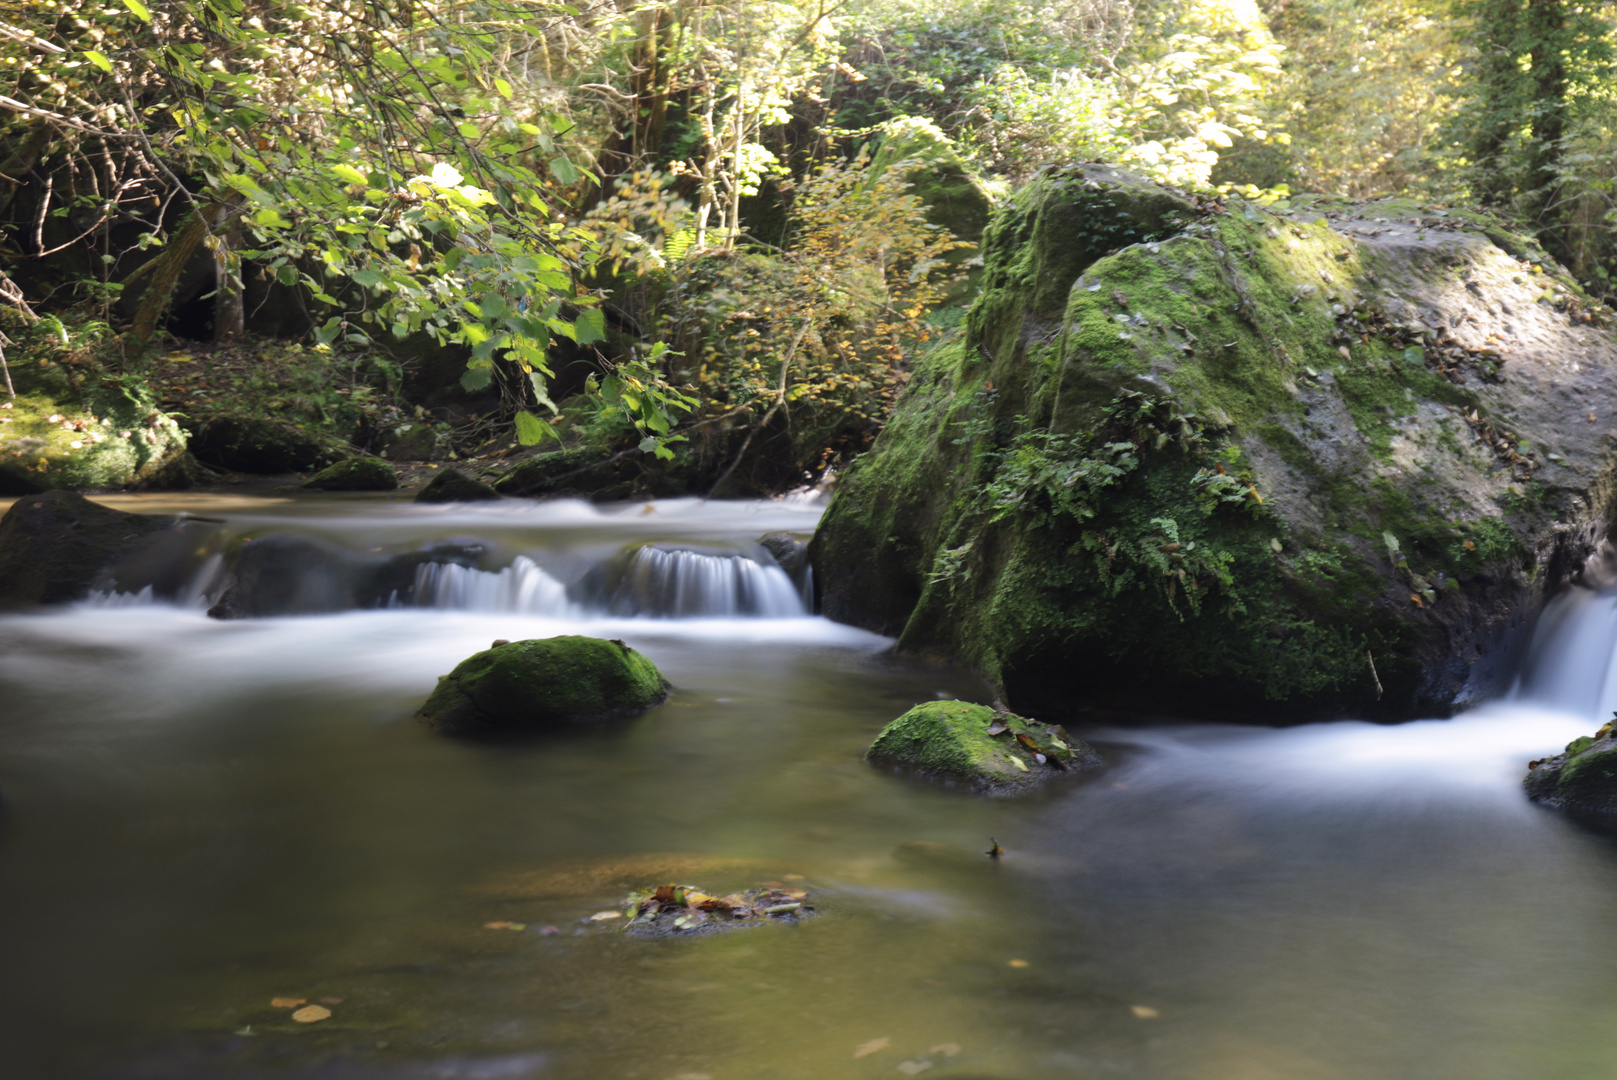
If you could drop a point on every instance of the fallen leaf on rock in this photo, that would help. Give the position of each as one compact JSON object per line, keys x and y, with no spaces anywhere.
{"x":998,"y":727}
{"x":502,"y":925}
{"x":603,"y":916}
{"x":913,"y":1068}
{"x":866,"y":1049}
{"x":311,"y":1014}
{"x":286,"y":1003}
{"x":1144,"y":1012}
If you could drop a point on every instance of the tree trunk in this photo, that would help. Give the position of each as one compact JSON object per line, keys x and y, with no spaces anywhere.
{"x":229,"y":312}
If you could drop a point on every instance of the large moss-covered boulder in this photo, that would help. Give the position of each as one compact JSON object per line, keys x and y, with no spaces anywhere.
{"x":978,"y":747}
{"x":75,"y":430}
{"x":452,"y":485}
{"x":581,"y":471}
{"x":1199,"y":456}
{"x":955,"y":196}
{"x":355,"y":474}
{"x":543,"y":685}
{"x":1583,"y":777}
{"x":259,"y":445}
{"x":55,"y":546}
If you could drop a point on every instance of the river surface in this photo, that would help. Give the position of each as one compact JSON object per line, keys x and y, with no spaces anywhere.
{"x":200,"y":816}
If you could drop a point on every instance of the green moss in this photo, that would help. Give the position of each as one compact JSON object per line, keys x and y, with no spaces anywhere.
{"x":355,"y":474}
{"x":544,"y":684}
{"x":950,"y":741}
{"x":68,"y":431}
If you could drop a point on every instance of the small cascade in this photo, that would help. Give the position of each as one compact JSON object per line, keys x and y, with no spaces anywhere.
{"x":523,"y":587}
{"x":681,"y":583}
{"x":1574,"y":649}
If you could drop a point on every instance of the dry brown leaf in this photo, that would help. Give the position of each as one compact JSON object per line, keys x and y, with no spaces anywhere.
{"x":286,"y":1003}
{"x":866,"y":1049}
{"x":602,"y":916}
{"x":502,"y":925}
{"x":311,"y":1014}
{"x":1017,"y":963}
{"x":1144,"y":1012}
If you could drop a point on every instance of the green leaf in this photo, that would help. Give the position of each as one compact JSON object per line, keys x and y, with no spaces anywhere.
{"x":650,"y":444}
{"x":270,"y":218}
{"x":139,"y":9}
{"x":477,"y":378}
{"x":326,"y":334}
{"x":531,"y":430}
{"x":287,"y":275}
{"x":590,"y":327}
{"x":563,"y":170}
{"x":349,"y":173}
{"x":99,"y":60}
{"x":503,"y":87}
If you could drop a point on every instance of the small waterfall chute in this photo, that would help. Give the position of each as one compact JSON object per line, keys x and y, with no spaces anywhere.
{"x":523,"y":588}
{"x":685,"y":583}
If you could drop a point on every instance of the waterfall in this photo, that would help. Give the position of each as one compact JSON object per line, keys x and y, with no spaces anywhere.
{"x":522,"y":587}
{"x":1569,"y":662}
{"x":681,"y":583}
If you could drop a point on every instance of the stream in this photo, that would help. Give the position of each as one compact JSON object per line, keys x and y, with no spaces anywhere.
{"x":199,"y":816}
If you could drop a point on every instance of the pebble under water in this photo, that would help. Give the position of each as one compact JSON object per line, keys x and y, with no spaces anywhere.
{"x":200,"y":816}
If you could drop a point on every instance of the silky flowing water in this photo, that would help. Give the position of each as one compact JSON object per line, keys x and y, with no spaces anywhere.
{"x":199,"y":816}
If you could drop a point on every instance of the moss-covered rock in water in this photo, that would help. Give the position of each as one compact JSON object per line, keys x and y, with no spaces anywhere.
{"x":54,"y":546}
{"x":978,"y":747}
{"x":77,"y":432}
{"x":452,"y":485}
{"x":1582,"y":777}
{"x":355,"y":474}
{"x":542,"y":685}
{"x":1198,"y":456}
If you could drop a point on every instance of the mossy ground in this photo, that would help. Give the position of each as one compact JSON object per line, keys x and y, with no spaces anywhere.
{"x":75,"y":425}
{"x":543,"y":684}
{"x":978,"y":747}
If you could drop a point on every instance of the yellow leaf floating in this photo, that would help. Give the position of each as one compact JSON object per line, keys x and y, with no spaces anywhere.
{"x":311,"y":1014}
{"x":286,"y":1002}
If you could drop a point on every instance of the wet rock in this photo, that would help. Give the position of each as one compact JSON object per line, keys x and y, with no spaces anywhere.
{"x":1190,"y":455}
{"x":355,"y":474}
{"x":54,"y":546}
{"x":289,"y":574}
{"x":452,"y":485}
{"x":543,"y":685}
{"x":787,"y":550}
{"x":1582,"y":777}
{"x":260,"y":446}
{"x":978,"y":747}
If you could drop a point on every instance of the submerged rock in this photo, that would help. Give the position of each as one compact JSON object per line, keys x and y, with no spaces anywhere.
{"x":54,"y":546}
{"x":355,"y":474}
{"x":685,"y":910}
{"x":452,"y":485}
{"x":1583,"y":777}
{"x":1197,"y":456}
{"x":543,"y":684}
{"x":290,"y":574}
{"x":978,"y":747}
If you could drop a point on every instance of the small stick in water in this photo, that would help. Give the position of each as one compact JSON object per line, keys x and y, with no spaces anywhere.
{"x":1374,"y":677}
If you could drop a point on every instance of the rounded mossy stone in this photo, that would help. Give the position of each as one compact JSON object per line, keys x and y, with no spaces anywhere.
{"x":986,"y":750}
{"x":355,"y":474}
{"x":452,"y":485}
{"x":1582,"y":778}
{"x":542,"y":684}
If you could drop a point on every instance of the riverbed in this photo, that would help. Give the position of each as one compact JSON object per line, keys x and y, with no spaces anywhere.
{"x":199,"y":817}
